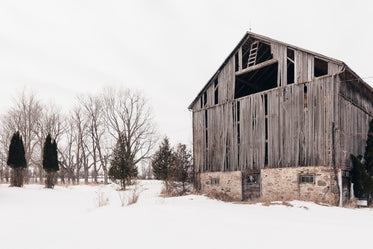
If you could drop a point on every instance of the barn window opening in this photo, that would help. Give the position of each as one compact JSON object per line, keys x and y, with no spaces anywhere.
{"x":238,"y":111}
{"x":305,"y":96}
{"x":253,"y":179}
{"x":207,"y":139}
{"x":206,"y":130}
{"x":205,"y":98}
{"x":266,"y":129}
{"x":238,"y":156}
{"x":308,"y":178}
{"x":238,"y":132}
{"x":216,"y":87}
{"x":206,"y":121}
{"x":236,"y":66}
{"x":255,"y":52}
{"x":226,"y":163}
{"x":290,"y":66}
{"x":255,"y":81}
{"x":201,"y":101}
{"x":320,"y":67}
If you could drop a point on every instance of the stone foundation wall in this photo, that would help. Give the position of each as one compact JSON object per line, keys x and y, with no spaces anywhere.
{"x":284,"y":184}
{"x":229,"y":183}
{"x":277,"y":184}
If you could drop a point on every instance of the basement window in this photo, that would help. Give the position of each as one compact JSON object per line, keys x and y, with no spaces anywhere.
{"x":215,"y":181}
{"x":255,"y":81}
{"x":290,"y":66}
{"x":320,"y":67}
{"x":308,"y":178}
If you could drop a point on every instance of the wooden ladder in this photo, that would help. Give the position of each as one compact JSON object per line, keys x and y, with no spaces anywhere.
{"x":253,"y":53}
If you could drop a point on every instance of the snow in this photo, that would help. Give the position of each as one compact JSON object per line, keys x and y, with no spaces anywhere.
{"x":70,"y":217}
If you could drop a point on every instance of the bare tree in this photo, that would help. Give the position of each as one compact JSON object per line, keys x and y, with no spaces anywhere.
{"x":81,"y":125}
{"x":129,"y":117}
{"x":68,"y":151}
{"x":94,"y":113}
{"x":5,"y":136}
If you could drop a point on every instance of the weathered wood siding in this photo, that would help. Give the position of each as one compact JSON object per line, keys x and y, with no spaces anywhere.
{"x":353,"y":113}
{"x":299,"y":134}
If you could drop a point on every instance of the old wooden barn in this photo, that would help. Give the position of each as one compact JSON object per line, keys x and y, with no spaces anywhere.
{"x":279,"y":122}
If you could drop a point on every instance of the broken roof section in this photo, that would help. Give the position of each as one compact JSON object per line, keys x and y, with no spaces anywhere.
{"x":269,"y":41}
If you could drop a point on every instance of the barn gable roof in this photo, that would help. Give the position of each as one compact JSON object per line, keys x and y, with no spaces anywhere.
{"x":270,"y":40}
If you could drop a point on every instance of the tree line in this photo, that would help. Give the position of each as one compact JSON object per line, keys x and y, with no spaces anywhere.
{"x":86,"y":137}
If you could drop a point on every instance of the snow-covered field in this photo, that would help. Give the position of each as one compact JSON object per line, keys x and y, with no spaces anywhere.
{"x":70,"y":217}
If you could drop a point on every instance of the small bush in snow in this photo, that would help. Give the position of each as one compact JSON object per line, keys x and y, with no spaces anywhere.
{"x":176,"y":188}
{"x":221,"y":196}
{"x":102,"y":199}
{"x":130,"y":196}
{"x":134,"y":195}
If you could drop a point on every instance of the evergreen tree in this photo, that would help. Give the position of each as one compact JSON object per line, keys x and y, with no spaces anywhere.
{"x":162,"y":161}
{"x":122,"y":168}
{"x":50,"y":161}
{"x":16,"y":159}
{"x":368,"y":155}
{"x":362,"y":172}
{"x":363,"y":183}
{"x":181,"y":171}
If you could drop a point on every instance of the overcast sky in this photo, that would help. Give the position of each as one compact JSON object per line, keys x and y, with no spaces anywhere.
{"x":167,"y":49}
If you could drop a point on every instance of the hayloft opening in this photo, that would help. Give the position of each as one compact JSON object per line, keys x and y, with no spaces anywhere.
{"x":236,"y":66}
{"x":290,"y":66}
{"x":255,"y":52}
{"x":255,"y":81}
{"x":320,"y":67}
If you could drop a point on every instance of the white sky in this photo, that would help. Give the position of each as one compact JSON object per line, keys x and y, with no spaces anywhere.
{"x":168,"y":49}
